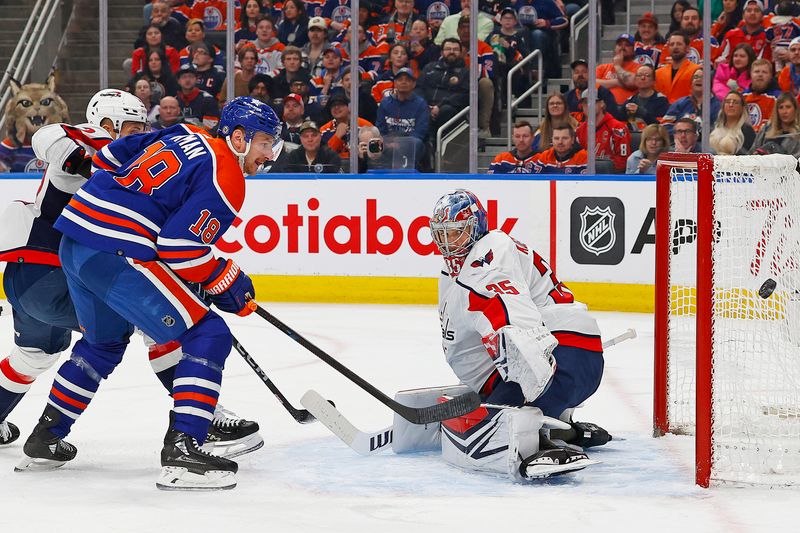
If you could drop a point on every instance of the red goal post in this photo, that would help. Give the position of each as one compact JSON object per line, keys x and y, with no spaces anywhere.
{"x":727,"y":361}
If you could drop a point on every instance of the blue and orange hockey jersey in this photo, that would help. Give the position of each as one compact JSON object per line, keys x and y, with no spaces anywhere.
{"x":167,"y":196}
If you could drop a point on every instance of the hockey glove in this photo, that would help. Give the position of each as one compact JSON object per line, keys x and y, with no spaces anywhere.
{"x":230,"y":288}
{"x":78,"y":163}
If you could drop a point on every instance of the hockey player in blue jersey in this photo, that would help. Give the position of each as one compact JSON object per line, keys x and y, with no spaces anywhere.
{"x":133,"y":236}
{"x":36,"y":286}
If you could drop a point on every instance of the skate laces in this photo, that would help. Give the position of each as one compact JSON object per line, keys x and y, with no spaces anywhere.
{"x":5,"y":431}
{"x":224,"y":418}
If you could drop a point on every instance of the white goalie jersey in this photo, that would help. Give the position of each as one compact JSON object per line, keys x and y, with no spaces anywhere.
{"x":503,"y":282}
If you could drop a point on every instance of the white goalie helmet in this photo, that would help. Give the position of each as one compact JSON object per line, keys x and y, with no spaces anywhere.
{"x":117,"y":106}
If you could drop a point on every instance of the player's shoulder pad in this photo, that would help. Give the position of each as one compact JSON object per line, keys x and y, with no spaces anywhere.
{"x":491,"y":255}
{"x":228,"y":178}
{"x":88,"y":136}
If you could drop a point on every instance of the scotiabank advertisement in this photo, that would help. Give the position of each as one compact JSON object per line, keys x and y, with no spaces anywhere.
{"x":368,"y":227}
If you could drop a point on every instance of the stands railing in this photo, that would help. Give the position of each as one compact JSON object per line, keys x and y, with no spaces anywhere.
{"x":22,"y":60}
{"x":511,"y":103}
{"x":441,"y":145}
{"x":577,"y":22}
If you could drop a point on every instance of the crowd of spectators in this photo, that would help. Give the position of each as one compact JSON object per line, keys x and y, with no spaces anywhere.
{"x":413,"y":76}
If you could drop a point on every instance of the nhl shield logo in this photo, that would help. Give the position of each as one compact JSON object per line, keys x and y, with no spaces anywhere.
{"x":597,"y":233}
{"x":168,"y":321}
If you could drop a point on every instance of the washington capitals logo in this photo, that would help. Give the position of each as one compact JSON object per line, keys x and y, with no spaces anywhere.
{"x":485,"y":260}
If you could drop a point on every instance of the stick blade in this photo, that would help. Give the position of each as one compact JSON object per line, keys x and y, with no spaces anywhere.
{"x":458,"y":406}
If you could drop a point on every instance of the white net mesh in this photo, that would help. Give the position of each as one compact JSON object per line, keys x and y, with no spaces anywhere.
{"x":756,"y":340}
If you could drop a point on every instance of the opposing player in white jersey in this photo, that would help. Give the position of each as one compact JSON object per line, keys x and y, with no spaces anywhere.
{"x":515,"y":334}
{"x":43,"y":313}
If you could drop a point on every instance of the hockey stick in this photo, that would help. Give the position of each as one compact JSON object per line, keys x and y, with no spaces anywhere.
{"x":300,"y":415}
{"x":458,"y":406}
{"x":369,"y":443}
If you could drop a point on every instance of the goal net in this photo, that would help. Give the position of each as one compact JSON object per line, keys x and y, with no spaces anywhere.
{"x":727,"y":346}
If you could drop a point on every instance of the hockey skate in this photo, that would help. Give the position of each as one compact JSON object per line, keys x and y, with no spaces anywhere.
{"x":552,"y":460}
{"x":8,"y":433}
{"x":230,"y":436}
{"x":185,"y":466}
{"x":43,"y":450}
{"x":582,"y":434}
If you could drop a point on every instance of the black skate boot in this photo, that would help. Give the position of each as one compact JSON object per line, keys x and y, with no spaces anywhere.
{"x":43,"y":450}
{"x":8,"y":433}
{"x":230,"y":436}
{"x":552,"y":460}
{"x":185,"y":466}
{"x":583,"y":434}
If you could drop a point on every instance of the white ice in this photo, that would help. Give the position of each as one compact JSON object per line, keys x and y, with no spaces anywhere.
{"x":305,"y":479}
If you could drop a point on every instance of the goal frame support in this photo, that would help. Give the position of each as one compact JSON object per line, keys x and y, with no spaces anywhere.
{"x":704,"y":163}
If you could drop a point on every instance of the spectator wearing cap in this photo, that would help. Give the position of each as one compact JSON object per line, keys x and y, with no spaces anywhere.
{"x":751,"y":32}
{"x":647,"y":106}
{"x":331,"y":76}
{"x":674,"y":80}
{"x":314,"y":49}
{"x":648,"y":41}
{"x":580,"y":82}
{"x":690,"y":106}
{"x":405,"y":114}
{"x":543,"y":19}
{"x":619,"y":75}
{"x":247,"y":61}
{"x":269,"y":48}
{"x":209,"y":79}
{"x":789,"y":78}
{"x":293,"y":28}
{"x":692,"y":25}
{"x":734,"y":75}
{"x":292,"y":59}
{"x":395,"y":26}
{"x":420,"y":46}
{"x":313,"y":155}
{"x":762,"y":94}
{"x":198,"y":107}
{"x":293,"y":117}
{"x":313,"y":109}
{"x":445,"y":84}
{"x":486,"y":61}
{"x":449,"y":27}
{"x":612,"y":138}
{"x":510,"y":46}
{"x":196,"y":33}
{"x":336,"y":133}
{"x":367,"y":106}
{"x":729,"y":18}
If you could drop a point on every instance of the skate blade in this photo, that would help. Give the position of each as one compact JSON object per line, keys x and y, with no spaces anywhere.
{"x":37,"y":464}
{"x":535,"y":471}
{"x":178,"y":478}
{"x":231,"y":449}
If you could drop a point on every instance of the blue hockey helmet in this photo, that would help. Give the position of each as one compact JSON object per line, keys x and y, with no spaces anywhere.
{"x":252,"y":116}
{"x":458,"y":222}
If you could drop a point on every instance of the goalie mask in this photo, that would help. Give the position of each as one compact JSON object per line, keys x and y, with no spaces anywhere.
{"x":458,"y":222}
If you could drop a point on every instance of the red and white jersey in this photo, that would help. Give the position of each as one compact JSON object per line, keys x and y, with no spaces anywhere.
{"x":26,"y":229}
{"x":503,"y":282}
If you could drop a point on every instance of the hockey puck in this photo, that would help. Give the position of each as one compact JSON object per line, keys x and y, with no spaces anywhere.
{"x":765,"y":291}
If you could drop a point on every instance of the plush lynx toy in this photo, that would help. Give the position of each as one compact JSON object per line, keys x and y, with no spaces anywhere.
{"x":31,"y":106}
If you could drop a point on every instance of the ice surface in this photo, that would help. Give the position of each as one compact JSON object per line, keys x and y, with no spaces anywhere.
{"x":305,"y":479}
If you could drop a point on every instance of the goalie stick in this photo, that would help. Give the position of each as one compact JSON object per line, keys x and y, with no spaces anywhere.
{"x":460,"y":405}
{"x":300,"y":415}
{"x":369,"y":443}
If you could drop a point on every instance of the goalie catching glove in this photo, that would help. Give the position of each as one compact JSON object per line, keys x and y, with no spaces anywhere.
{"x":230,"y":288}
{"x":524,"y":356}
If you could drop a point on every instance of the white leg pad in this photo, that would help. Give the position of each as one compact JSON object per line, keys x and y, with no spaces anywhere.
{"x":410,"y":437}
{"x":492,"y":439}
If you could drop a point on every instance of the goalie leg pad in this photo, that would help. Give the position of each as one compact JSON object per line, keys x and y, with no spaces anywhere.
{"x":492,"y":439}
{"x":408,"y":437}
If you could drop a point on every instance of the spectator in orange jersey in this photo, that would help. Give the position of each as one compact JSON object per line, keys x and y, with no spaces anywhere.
{"x":692,"y":26}
{"x":214,"y":13}
{"x":612,"y":138}
{"x":520,"y":159}
{"x":690,"y":106}
{"x":751,"y":32}
{"x":760,"y":97}
{"x":675,"y":79}
{"x":565,"y":157}
{"x":336,"y":133}
{"x":618,"y":76}
{"x":789,"y":78}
